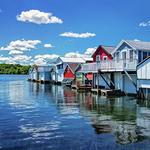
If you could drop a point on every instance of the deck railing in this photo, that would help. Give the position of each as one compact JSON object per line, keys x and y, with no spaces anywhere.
{"x":118,"y":65}
{"x":90,"y":67}
{"x":112,"y":65}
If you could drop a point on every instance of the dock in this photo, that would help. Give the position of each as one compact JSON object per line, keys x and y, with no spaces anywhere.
{"x":96,"y":90}
{"x":111,"y":92}
{"x":82,"y":88}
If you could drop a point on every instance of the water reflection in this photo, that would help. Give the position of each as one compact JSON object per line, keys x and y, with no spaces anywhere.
{"x":122,"y":117}
{"x":38,"y":116}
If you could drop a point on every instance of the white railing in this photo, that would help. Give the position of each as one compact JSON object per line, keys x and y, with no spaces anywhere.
{"x":119,"y":65}
{"x":112,"y":65}
{"x":90,"y":67}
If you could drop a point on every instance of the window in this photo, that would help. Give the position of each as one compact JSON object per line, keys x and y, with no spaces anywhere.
{"x":124,"y":55}
{"x":60,"y":66}
{"x":105,"y":58}
{"x":139,"y":56}
{"x":98,"y":58}
{"x":131,"y":55}
{"x":144,"y":55}
{"x":117,"y":56}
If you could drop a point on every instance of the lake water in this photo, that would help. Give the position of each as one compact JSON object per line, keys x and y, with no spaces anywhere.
{"x":40,"y":117}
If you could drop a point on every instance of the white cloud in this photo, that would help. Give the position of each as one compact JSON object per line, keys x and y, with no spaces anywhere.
{"x":47,"y":56}
{"x":90,"y":51}
{"x":144,"y":24}
{"x":73,"y":55}
{"x":17,"y":59}
{"x":3,"y":59}
{"x":21,"y":45}
{"x":38,"y":17}
{"x":136,"y":40}
{"x":15,"y":52}
{"x":48,"y":46}
{"x":44,"y":59}
{"x":78,"y":35}
{"x":21,"y":59}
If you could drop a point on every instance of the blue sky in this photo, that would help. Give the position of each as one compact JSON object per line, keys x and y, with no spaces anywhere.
{"x":107,"y":22}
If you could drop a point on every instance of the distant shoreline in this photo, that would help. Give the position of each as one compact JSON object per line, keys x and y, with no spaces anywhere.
{"x":13,"y":69}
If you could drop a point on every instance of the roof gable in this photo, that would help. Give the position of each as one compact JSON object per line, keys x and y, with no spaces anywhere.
{"x":139,"y":44}
{"x":122,"y":45}
{"x":73,"y":66}
{"x":136,"y":45}
{"x":107,"y":49}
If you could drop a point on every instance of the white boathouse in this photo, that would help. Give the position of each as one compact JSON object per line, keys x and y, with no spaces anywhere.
{"x":40,"y":73}
{"x":143,"y":79}
{"x":121,"y":70}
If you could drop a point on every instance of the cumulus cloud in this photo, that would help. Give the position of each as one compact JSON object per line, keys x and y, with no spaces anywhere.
{"x":90,"y":51}
{"x":18,"y":59}
{"x":21,"y":45}
{"x":22,"y":58}
{"x":73,"y":55}
{"x":48,"y":46}
{"x":38,"y":17}
{"x":44,"y":59}
{"x":47,"y":56}
{"x":3,"y":59}
{"x":15,"y":52}
{"x":78,"y":35}
{"x":136,"y":40}
{"x":144,"y":24}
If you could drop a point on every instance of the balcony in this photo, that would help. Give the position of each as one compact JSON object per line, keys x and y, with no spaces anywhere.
{"x":108,"y":66}
{"x":118,"y":65}
{"x":90,"y":67}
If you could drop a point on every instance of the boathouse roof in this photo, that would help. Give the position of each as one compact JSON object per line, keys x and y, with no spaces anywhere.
{"x":139,"y":44}
{"x":135,"y":44}
{"x":72,"y":60}
{"x":73,"y":66}
{"x":109,"y":49}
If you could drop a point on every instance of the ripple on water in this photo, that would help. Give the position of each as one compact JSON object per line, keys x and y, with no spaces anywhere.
{"x":34,"y":116}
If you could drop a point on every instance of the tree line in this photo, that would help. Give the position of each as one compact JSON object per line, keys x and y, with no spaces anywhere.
{"x":13,"y":69}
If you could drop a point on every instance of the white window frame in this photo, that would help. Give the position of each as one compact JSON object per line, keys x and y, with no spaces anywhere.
{"x":97,"y":58}
{"x":105,"y":58}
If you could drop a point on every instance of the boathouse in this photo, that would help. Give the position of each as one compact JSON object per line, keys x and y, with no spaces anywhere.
{"x":102,"y":53}
{"x":69,"y":73}
{"x":143,"y":79}
{"x":119,"y":73}
{"x":126,"y":56}
{"x":40,"y":74}
{"x":61,"y":64}
{"x":33,"y":73}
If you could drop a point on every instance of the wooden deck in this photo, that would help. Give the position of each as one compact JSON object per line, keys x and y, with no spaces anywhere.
{"x":107,"y":92}
{"x":95,"y":90}
{"x":82,"y":88}
{"x":111,"y":92}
